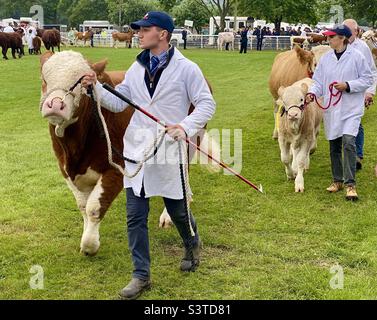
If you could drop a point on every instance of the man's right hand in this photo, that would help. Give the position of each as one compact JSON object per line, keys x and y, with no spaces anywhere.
{"x":90,"y":78}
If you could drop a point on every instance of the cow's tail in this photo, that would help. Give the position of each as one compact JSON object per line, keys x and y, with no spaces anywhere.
{"x":209,"y":145}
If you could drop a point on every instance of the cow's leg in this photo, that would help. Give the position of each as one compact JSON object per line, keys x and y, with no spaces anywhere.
{"x":105,"y":191}
{"x":14,"y":53}
{"x":275,"y":133}
{"x":286,"y":157}
{"x":59,"y":47}
{"x":81,"y":200}
{"x":301,"y":156}
{"x":5,"y":49}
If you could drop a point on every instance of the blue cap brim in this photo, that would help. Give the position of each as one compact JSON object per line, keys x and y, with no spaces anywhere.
{"x":141,"y":23}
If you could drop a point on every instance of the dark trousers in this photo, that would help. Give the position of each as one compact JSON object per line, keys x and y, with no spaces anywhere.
{"x":184,"y":43}
{"x":343,"y":170}
{"x":259,"y":44}
{"x":243,"y":47}
{"x":137,"y":228}
{"x":360,"y":142}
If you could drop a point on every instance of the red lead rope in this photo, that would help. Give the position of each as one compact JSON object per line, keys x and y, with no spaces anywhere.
{"x":333,"y":95}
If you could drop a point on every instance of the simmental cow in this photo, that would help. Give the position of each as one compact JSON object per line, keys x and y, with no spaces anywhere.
{"x":298,"y":130}
{"x":76,"y":140}
{"x":83,"y":36}
{"x":123,"y":37}
{"x":224,"y":38}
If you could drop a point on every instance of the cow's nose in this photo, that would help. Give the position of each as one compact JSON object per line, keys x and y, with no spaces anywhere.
{"x":57,"y":104}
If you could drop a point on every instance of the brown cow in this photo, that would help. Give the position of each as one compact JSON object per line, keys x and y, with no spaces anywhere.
{"x":292,"y":66}
{"x":11,"y":40}
{"x":37,"y":43}
{"x":81,"y":152}
{"x":123,"y":37}
{"x":317,"y":38}
{"x":83,"y":36}
{"x":51,"y":39}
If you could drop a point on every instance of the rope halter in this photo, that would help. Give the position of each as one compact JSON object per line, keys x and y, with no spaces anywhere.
{"x":62,"y":99}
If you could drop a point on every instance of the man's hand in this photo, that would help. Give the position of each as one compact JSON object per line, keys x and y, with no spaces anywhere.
{"x":368,"y":100}
{"x":341,"y":86}
{"x":90,"y":78}
{"x":309,"y":98}
{"x":176,"y":132}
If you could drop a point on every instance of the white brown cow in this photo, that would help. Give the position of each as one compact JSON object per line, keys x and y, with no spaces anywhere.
{"x":298,"y":130}
{"x":80,"y":150}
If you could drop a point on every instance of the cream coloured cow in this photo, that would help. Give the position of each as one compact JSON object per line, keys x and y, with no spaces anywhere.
{"x":224,"y":38}
{"x":298,"y":130}
{"x":370,"y":37}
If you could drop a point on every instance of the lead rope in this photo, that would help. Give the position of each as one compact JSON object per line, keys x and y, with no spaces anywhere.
{"x":183,"y":170}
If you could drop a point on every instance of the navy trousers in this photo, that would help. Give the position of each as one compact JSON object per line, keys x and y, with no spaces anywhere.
{"x":137,"y":228}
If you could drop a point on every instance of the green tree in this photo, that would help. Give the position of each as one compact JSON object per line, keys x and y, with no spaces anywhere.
{"x":220,"y":8}
{"x":189,"y":10}
{"x":291,"y":11}
{"x":131,"y":10}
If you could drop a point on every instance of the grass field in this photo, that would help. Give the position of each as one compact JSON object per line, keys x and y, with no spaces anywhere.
{"x":275,"y":246}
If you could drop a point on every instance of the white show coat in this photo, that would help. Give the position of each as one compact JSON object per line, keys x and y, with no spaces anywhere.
{"x":181,"y":84}
{"x":365,"y":50}
{"x":352,"y":67}
{"x":8,"y":29}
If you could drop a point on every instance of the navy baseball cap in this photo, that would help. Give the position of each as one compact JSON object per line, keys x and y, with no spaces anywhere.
{"x":340,"y":30}
{"x":157,"y":19}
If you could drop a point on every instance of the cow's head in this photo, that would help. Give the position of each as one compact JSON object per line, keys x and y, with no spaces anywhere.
{"x":292,"y":100}
{"x":60,"y":72}
{"x":318,"y":52}
{"x":306,"y":58}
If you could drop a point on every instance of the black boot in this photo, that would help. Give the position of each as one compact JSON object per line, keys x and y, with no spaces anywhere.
{"x":134,"y":289}
{"x":188,"y":260}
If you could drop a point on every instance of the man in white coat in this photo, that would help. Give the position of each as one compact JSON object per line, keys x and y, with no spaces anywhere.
{"x":348,"y":67}
{"x":165,"y":83}
{"x":360,"y":45}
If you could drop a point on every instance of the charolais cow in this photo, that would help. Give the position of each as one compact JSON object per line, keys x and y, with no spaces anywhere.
{"x":298,"y":130}
{"x":224,"y":38}
{"x":289,"y":67}
{"x":76,"y":141}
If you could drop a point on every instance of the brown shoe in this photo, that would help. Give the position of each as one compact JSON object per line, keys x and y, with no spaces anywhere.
{"x":335,"y":187}
{"x":351,"y":193}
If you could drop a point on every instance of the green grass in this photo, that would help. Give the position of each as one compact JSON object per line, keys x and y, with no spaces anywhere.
{"x":275,"y":246}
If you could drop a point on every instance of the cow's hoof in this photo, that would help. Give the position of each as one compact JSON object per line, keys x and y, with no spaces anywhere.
{"x":89,"y":248}
{"x":89,"y":251}
{"x":299,"y":189}
{"x":165,"y":220}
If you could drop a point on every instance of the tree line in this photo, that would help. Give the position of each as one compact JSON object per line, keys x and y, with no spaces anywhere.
{"x":121,"y":12}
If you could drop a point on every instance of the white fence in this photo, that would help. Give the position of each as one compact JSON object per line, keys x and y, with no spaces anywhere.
{"x":194,"y":41}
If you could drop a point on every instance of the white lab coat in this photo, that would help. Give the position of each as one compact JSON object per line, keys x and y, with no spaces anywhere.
{"x":352,"y":67}
{"x":29,"y":39}
{"x":181,"y":84}
{"x":365,"y":50}
{"x":8,"y":29}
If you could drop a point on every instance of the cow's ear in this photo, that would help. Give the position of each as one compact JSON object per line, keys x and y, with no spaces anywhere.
{"x":281,"y":91}
{"x":303,"y":55}
{"x":44,"y":57}
{"x":304,"y":88}
{"x":99,"y":67}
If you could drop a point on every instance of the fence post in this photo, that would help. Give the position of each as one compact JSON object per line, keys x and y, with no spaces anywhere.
{"x":201,"y":41}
